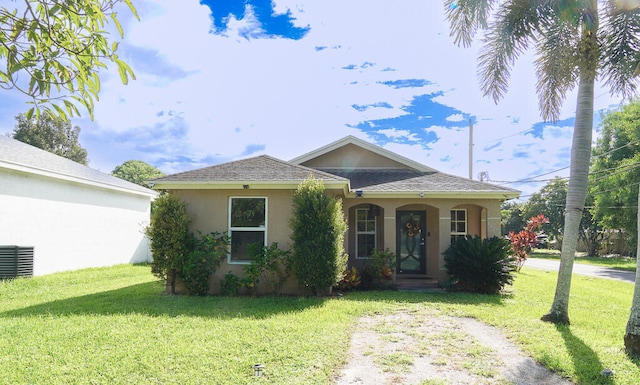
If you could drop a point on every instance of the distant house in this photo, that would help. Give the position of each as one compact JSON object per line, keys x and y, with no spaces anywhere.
{"x":74,"y":216}
{"x":389,"y":201}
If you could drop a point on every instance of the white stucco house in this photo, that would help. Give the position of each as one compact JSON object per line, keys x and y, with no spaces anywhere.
{"x":74,"y":216}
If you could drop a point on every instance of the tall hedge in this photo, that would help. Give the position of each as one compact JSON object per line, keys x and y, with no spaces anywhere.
{"x":170,"y":238}
{"x":317,"y":233}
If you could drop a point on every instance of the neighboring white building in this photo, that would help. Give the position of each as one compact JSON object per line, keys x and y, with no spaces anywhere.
{"x":74,"y":216}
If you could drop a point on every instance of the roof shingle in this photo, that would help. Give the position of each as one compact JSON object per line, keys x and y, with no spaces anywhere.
{"x":262,"y":168}
{"x":16,"y":153}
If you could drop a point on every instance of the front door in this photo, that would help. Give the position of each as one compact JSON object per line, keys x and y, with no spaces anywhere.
{"x":410,"y":238}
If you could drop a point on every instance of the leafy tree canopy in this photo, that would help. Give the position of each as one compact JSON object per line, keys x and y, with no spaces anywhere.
{"x":550,"y":202}
{"x":52,"y":50}
{"x":52,"y":134}
{"x":615,"y":171}
{"x":138,"y":172}
{"x":512,"y":218}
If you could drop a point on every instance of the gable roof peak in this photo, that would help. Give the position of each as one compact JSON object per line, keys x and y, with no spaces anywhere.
{"x":350,"y":139}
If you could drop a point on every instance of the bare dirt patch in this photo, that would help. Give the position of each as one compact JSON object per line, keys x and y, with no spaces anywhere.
{"x":412,"y":348}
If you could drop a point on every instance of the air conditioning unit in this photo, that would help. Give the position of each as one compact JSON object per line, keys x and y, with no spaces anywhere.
{"x":16,"y":261}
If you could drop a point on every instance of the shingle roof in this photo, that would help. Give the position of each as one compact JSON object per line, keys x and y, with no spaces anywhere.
{"x":17,"y":155}
{"x":396,"y":180}
{"x":261,"y":168}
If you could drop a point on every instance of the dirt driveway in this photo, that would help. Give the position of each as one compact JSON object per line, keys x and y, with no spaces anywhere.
{"x":413,"y":348}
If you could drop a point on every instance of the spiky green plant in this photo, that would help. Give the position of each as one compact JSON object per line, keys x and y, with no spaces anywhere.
{"x":482,"y":265}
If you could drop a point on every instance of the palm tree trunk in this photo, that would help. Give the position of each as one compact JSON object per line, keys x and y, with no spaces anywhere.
{"x":576,"y":195}
{"x":632,"y":334}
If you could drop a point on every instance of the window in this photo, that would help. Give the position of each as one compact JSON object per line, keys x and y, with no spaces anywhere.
{"x":247,"y":225}
{"x":458,"y":224}
{"x":365,"y":232}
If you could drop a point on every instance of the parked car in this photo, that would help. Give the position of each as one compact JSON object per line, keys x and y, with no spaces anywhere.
{"x":542,"y":241}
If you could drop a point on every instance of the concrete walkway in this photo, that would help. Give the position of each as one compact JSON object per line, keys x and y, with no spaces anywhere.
{"x":582,"y":269}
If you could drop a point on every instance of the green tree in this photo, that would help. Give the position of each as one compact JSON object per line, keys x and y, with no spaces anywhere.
{"x":511,"y":217}
{"x":549,"y":201}
{"x":572,"y":48}
{"x":51,"y":134}
{"x":317,"y":231}
{"x":170,"y":238}
{"x":52,"y":50}
{"x":615,"y":171}
{"x":138,"y":172}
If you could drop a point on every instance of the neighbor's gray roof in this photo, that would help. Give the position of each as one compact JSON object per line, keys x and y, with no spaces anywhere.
{"x":26,"y":158}
{"x":396,"y":180}
{"x":261,"y":168}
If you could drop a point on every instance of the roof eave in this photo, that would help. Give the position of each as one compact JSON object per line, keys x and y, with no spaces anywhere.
{"x":59,"y":176}
{"x":500,"y":195}
{"x":243,"y":185}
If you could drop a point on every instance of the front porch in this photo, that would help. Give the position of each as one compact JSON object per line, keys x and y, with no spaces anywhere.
{"x":417,"y":231}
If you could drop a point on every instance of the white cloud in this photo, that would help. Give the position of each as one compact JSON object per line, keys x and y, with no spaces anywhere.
{"x":291,"y":97}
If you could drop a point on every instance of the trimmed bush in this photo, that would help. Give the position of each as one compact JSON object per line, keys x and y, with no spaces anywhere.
{"x":480,"y":265}
{"x":230,"y":284}
{"x":169,"y":237}
{"x":270,"y":266}
{"x":317,"y":231}
{"x":203,"y":260}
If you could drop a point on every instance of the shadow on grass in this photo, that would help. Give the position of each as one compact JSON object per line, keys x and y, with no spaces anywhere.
{"x":460,"y":298}
{"x":585,"y":361}
{"x":145,"y":298}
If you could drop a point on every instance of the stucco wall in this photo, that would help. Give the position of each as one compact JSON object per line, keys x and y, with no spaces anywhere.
{"x":209,"y":210}
{"x":351,"y":156}
{"x":71,"y":225}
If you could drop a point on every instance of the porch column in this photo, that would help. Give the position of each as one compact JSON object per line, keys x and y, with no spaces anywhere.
{"x":494,"y":228}
{"x":444,"y":221}
{"x":390,"y":228}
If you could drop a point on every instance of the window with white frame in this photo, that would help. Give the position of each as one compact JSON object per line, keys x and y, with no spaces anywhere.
{"x":458,"y":224}
{"x":247,"y":225}
{"x":365,"y":233}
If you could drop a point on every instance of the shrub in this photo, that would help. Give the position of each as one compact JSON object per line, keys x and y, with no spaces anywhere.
{"x":270,"y":265}
{"x":318,"y":228}
{"x":203,"y":259}
{"x":230,"y":284}
{"x":378,"y":270}
{"x":523,"y":241}
{"x":169,"y":237}
{"x":482,"y":265}
{"x":350,"y":280}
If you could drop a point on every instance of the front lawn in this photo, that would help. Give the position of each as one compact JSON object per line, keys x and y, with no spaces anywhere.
{"x":113,"y":326}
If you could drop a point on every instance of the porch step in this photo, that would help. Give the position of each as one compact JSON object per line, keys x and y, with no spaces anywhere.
{"x":416,"y":282}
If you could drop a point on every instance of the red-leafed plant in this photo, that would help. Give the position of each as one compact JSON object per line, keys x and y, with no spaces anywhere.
{"x":525,"y":239}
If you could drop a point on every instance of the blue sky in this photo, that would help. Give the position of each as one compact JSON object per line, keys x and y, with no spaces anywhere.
{"x":224,"y":80}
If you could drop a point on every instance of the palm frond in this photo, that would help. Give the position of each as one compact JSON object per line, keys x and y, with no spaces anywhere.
{"x":557,"y":68}
{"x":516,"y":23}
{"x":620,"y":53}
{"x":466,"y":17}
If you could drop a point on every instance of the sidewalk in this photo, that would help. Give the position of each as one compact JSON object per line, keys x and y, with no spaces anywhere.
{"x":582,"y":269}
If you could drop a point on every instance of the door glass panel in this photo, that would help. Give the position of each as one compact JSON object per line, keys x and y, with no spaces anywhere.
{"x":411,"y":241}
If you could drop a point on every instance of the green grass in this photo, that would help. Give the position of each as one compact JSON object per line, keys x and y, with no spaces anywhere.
{"x":114,"y":326}
{"x":620,"y":263}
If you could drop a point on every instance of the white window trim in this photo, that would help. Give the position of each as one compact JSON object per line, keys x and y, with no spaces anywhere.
{"x":231,"y":229}
{"x":466,"y":228}
{"x":374,"y":232}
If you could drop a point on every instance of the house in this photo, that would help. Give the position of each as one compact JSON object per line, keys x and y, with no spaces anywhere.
{"x":389,"y":201}
{"x":73,"y":216}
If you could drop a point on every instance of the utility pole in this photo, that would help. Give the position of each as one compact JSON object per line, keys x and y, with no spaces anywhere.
{"x":470,"y":149}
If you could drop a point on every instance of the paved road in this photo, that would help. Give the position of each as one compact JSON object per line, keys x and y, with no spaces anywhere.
{"x":582,"y":269}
